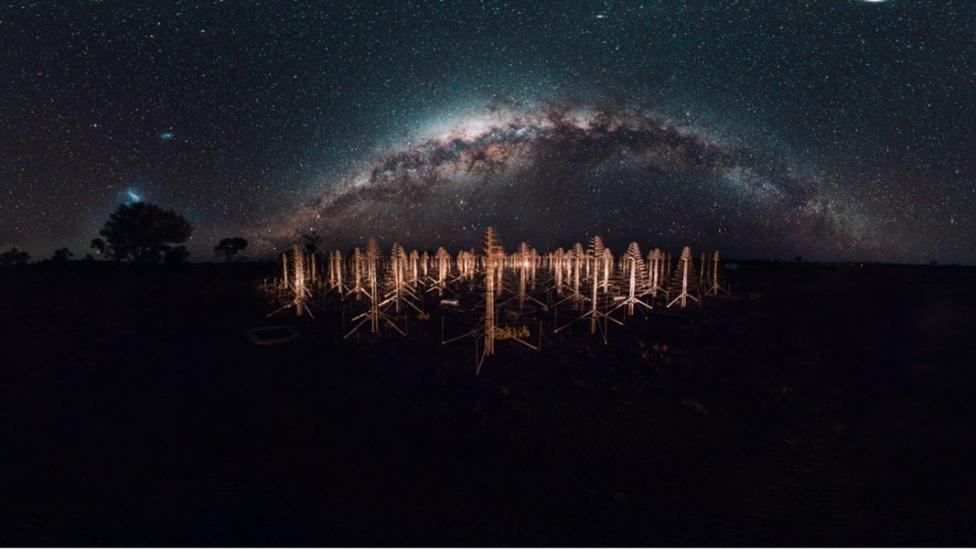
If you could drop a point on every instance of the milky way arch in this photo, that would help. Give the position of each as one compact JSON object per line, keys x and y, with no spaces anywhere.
{"x":552,"y":175}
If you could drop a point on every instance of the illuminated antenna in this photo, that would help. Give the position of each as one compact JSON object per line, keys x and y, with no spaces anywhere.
{"x":284,"y":271}
{"x":655,"y":261}
{"x":523,"y":259}
{"x":394,"y":277}
{"x":356,"y":262}
{"x":685,"y":268}
{"x":488,"y":329}
{"x":336,"y":269}
{"x":636,"y":279}
{"x":295,"y":280}
{"x":579,"y":259}
{"x":575,"y":263}
{"x":525,"y":262}
{"x":442,"y":270}
{"x":462,"y":264}
{"x":492,"y":247}
{"x":298,"y":284}
{"x":596,"y":257}
{"x":424,"y":265}
{"x":397,"y":284}
{"x":373,"y":314}
{"x":466,"y":264}
{"x":536,"y":262}
{"x":605,"y":266}
{"x":588,"y":266}
{"x":313,"y":280}
{"x":499,"y":269}
{"x":331,"y":274}
{"x":715,"y":288}
{"x":413,"y":268}
{"x":557,"y":266}
{"x":372,"y":267}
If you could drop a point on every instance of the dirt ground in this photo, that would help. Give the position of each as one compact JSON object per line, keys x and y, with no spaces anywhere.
{"x":822,"y":405}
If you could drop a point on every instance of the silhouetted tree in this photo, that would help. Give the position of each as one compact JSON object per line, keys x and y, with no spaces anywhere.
{"x":62,"y":254}
{"x":98,"y":245}
{"x":13,"y":256}
{"x":142,"y":231}
{"x":229,"y":247}
{"x":311,"y":242}
{"x":176,"y":255}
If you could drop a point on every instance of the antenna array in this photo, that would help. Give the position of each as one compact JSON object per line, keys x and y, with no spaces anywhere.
{"x":499,"y":296}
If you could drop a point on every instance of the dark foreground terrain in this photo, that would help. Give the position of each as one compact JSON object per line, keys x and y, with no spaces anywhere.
{"x":822,"y":405}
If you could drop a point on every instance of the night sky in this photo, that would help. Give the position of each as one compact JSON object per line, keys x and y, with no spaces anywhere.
{"x":841,"y":129}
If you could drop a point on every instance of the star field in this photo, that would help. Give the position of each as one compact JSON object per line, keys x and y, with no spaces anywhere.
{"x":834,"y":130}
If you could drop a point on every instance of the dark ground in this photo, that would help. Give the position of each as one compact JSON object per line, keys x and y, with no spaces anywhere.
{"x":822,"y":406}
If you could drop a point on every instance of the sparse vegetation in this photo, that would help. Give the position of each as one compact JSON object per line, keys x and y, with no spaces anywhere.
{"x":99,"y":246}
{"x":228,"y":248}
{"x":61,"y":255}
{"x":176,"y":255}
{"x":142,"y":232}
{"x":14,"y":256}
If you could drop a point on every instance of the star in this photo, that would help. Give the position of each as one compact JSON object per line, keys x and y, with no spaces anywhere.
{"x":781,"y":129}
